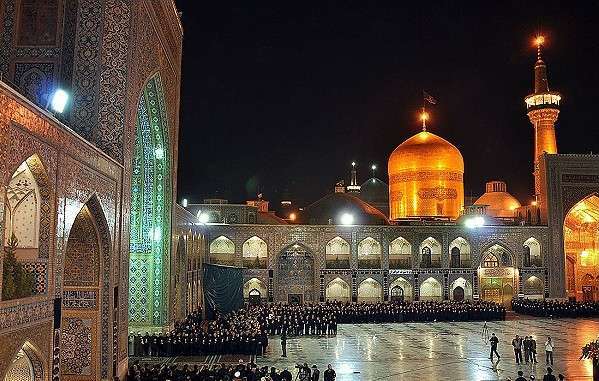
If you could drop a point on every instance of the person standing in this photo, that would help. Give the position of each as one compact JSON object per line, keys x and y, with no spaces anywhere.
{"x":517,"y":344}
{"x":533,"y":350}
{"x":526,"y":345}
{"x":494,"y":341}
{"x":329,"y":374}
{"x":315,"y":373}
{"x":284,"y":343}
{"x":549,"y":352}
{"x":549,"y":376}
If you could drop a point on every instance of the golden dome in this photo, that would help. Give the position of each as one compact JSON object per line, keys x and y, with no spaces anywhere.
{"x":426,"y":150}
{"x":500,"y":203}
{"x":426,"y":178}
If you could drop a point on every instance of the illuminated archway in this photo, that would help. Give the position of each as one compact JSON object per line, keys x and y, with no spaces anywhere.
{"x":430,"y":253}
{"x":497,"y":276}
{"x":26,"y":365}
{"x":254,"y":287}
{"x":370,"y":291}
{"x":337,"y":254}
{"x":430,"y":289}
{"x":150,"y":220}
{"x":459,"y":253}
{"x":400,"y":290}
{"x":369,"y":253}
{"x":255,"y":253}
{"x":222,"y":251}
{"x":533,"y":288}
{"x":581,"y":245}
{"x":461,"y":289}
{"x":400,"y":254}
{"x":338,"y":290}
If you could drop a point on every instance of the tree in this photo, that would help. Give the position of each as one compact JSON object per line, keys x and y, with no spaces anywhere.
{"x":16,"y":281}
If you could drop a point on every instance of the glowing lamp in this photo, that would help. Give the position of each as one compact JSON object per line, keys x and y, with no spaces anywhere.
{"x":475,"y":222}
{"x":534,"y":203}
{"x":373,"y":167}
{"x":584,"y":254}
{"x":59,"y":100}
{"x":203,"y":217}
{"x":424,"y":116}
{"x":184,"y":203}
{"x":292,"y":216}
{"x":353,"y":163}
{"x":539,"y":40}
{"x":347,"y":219}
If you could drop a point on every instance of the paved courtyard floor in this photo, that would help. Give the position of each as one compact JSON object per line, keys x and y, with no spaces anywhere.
{"x":434,"y":351}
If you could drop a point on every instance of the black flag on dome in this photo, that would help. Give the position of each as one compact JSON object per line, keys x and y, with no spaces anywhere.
{"x":429,"y":98}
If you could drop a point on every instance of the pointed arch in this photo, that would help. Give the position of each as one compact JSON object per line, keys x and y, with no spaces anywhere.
{"x":400,"y":254}
{"x":255,"y":284}
{"x":222,"y":251}
{"x":533,"y":288}
{"x":430,"y":253}
{"x":26,"y":364}
{"x":337,"y":254}
{"x":461,"y":289}
{"x":459,"y":253}
{"x":151,"y":205}
{"x":255,"y":253}
{"x":370,"y":291}
{"x":430,"y":290}
{"x":532,"y":253}
{"x":496,"y":255}
{"x":369,"y":253}
{"x":338,"y":290}
{"x":400,"y":290}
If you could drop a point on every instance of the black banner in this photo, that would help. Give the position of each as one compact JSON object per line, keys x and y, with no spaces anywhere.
{"x":223,"y":289}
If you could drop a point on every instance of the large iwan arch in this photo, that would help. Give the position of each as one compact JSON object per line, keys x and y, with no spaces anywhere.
{"x":151,"y":199}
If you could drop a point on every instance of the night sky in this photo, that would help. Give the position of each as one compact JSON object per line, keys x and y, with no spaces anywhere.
{"x":283,"y":97}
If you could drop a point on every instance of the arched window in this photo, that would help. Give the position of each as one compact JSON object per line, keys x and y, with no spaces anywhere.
{"x":222,"y":251}
{"x":533,"y":287}
{"x":337,"y":254}
{"x":254,"y":287}
{"x":461,"y":289}
{"x":400,"y":290}
{"x":490,"y":261}
{"x":532,"y":253}
{"x":430,"y":253}
{"x":255,"y":253}
{"x":369,"y":254}
{"x":459,"y":250}
{"x":400,"y":254}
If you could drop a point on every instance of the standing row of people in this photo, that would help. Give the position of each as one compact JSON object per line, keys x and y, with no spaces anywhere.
{"x":526,"y":346}
{"x":554,"y":308}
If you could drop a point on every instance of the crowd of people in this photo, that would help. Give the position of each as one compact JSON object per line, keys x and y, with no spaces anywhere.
{"x":553,"y":308}
{"x":246,"y":331}
{"x":239,"y":332}
{"x":223,"y":372}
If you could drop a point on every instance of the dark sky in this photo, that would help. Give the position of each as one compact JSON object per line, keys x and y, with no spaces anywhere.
{"x":285,"y":95}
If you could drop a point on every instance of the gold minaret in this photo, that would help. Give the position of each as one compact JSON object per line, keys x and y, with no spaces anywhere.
{"x":543,"y":109}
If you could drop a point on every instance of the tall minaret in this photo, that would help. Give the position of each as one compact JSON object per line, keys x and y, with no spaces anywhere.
{"x":353,"y":185}
{"x":543,"y":109}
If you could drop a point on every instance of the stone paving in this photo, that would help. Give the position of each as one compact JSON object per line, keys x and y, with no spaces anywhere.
{"x":432,"y":351}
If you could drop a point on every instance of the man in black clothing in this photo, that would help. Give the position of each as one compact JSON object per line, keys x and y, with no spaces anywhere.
{"x":517,"y":344}
{"x":549,"y":376}
{"x":286,"y":375}
{"x":520,"y":376}
{"x":494,"y":341}
{"x":284,"y":343}
{"x":315,"y":373}
{"x":329,"y":374}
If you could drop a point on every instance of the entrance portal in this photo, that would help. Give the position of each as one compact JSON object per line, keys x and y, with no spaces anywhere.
{"x":497,"y":277}
{"x":581,"y":245}
{"x":295,"y":275}
{"x":458,"y":293}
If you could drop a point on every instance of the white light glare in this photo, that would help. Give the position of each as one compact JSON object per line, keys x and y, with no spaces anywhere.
{"x":475,"y":222}
{"x":155,"y":234}
{"x":203,"y":217}
{"x":159,"y":153}
{"x":347,"y":219}
{"x":184,"y":203}
{"x":59,"y":101}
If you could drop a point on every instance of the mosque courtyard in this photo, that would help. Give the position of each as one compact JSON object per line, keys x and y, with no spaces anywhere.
{"x":431,"y":351}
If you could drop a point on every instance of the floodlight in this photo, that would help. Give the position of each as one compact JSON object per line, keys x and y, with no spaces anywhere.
{"x":347,"y":219}
{"x":58,"y":101}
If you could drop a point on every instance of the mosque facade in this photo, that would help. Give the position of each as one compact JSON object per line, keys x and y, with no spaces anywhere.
{"x":415,"y":239}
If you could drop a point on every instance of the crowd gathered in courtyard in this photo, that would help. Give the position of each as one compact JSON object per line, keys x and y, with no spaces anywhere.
{"x":555,"y":308}
{"x":246,"y":331}
{"x":228,"y":372}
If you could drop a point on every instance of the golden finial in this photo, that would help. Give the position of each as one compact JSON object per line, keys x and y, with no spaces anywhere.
{"x":423,"y":118}
{"x":539,"y":41}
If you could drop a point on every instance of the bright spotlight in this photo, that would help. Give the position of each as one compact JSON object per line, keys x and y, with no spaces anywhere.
{"x":475,"y":222}
{"x":347,"y":219}
{"x":353,"y":163}
{"x":373,"y":167}
{"x":203,"y":217}
{"x":59,"y":100}
{"x":292,"y":216}
{"x":184,"y":203}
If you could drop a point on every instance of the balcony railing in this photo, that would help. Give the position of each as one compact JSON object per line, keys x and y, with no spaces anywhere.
{"x":400,"y":263}
{"x":533,"y":262}
{"x":254,"y":263}
{"x":369,"y":263}
{"x":460,"y":264}
{"x":435,"y":263}
{"x":222,"y":259}
{"x":338,"y":263}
